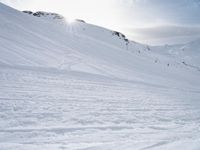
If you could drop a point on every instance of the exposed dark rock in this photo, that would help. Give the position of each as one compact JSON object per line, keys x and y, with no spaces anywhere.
{"x":148,"y":48}
{"x":39,"y":13}
{"x":126,"y":40}
{"x":44,"y":14}
{"x":28,"y":12}
{"x":120,"y":35}
{"x":80,"y":20}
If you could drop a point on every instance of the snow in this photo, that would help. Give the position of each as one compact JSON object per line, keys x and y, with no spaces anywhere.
{"x":77,"y":86}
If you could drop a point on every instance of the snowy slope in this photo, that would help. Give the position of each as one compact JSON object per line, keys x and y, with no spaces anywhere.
{"x":38,"y":42}
{"x":188,"y":53}
{"x":79,"y":86}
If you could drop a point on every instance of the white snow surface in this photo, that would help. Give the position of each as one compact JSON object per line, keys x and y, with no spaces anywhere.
{"x":76,"y":86}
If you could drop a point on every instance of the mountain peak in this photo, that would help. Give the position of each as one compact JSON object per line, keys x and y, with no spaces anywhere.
{"x":44,"y":14}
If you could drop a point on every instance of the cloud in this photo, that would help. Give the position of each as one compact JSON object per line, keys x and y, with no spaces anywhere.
{"x":170,"y":34}
{"x":142,"y":19}
{"x":166,"y":31}
{"x":162,"y":11}
{"x":162,"y":21}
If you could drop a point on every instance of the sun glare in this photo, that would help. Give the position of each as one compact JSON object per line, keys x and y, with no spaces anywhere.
{"x":70,"y":20}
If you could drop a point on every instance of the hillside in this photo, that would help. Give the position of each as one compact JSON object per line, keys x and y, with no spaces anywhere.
{"x":74,"y":85}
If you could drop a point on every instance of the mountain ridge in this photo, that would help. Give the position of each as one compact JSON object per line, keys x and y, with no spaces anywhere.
{"x":74,"y":85}
{"x":83,"y":47}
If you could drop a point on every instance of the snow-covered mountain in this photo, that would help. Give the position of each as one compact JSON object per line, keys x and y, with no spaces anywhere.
{"x":74,"y":85}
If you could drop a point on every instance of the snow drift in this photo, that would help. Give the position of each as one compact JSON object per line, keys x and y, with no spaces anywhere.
{"x":79,"y":86}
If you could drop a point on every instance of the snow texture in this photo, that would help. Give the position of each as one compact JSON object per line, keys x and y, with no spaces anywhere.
{"x":77,"y":86}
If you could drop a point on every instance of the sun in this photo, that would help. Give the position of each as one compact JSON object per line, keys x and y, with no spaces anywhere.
{"x":70,"y":20}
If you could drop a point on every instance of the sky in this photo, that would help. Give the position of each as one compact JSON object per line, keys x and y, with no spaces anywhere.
{"x":154,"y":22}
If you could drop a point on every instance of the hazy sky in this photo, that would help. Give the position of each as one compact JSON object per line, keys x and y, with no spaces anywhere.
{"x":148,"y":21}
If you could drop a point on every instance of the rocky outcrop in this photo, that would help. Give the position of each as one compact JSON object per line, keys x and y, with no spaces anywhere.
{"x":80,"y":20}
{"x":44,"y":14}
{"x":120,"y":35}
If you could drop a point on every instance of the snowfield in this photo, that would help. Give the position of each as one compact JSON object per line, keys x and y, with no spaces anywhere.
{"x":76,"y":86}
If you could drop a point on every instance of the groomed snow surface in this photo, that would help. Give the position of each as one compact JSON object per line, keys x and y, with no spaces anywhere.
{"x":76,"y":86}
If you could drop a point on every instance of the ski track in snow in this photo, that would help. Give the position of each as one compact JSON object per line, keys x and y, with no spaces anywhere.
{"x":72,"y":111}
{"x":82,"y":87}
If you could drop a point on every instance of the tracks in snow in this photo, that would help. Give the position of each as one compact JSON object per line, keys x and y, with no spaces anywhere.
{"x":77,"y":111}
